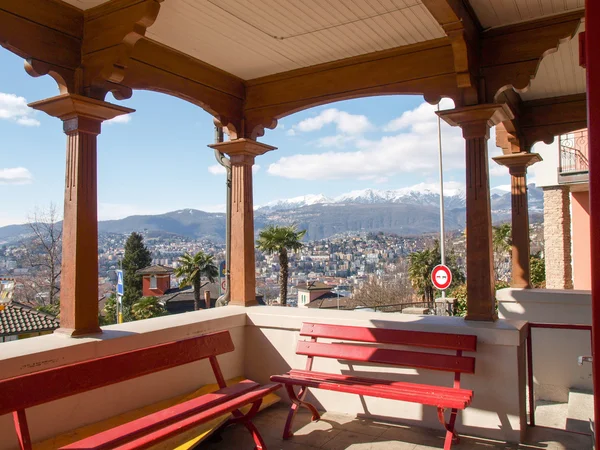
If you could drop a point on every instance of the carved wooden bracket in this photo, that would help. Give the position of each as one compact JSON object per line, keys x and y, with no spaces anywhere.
{"x":106,"y":48}
{"x":511,"y":55}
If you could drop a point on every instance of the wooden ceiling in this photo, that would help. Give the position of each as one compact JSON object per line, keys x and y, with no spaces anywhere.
{"x":497,"y":13}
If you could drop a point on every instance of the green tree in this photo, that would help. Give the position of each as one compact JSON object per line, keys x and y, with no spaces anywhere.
{"x":147,"y":308}
{"x":279,"y":239}
{"x":137,"y":256}
{"x":110,"y":311}
{"x":502,"y":245}
{"x":192,"y":268}
{"x":538,"y":270}
{"x":421,"y":264}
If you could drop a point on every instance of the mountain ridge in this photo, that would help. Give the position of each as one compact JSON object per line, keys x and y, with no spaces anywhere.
{"x":402,"y":211}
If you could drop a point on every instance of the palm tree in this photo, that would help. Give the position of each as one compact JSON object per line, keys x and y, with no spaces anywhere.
{"x":279,"y":239}
{"x":192,"y":268}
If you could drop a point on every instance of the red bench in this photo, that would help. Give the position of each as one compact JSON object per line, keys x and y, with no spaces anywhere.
{"x":19,"y":393}
{"x":453,"y":398}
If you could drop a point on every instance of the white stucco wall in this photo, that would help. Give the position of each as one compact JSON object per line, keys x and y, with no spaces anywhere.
{"x":555,"y":352}
{"x":498,"y":408}
{"x":545,"y":172}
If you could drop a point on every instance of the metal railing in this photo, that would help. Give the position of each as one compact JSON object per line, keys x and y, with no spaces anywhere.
{"x":553,"y":326}
{"x":573,"y":151}
{"x":397,"y":307}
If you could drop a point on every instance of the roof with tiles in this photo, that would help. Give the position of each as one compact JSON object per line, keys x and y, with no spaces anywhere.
{"x":156,"y":269}
{"x":17,"y":318}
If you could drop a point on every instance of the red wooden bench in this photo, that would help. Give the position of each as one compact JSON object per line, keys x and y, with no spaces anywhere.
{"x":453,"y":398}
{"x":22,"y":392}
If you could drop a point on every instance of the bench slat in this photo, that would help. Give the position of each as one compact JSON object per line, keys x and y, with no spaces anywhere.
{"x":432,"y":361}
{"x":446,"y":341}
{"x":323,"y":376}
{"x":41,"y":387}
{"x":128,"y":431}
{"x":380,"y":391}
{"x":155,"y":437}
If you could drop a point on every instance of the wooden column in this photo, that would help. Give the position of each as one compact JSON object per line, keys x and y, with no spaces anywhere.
{"x":517,"y":164}
{"x":591,"y":61}
{"x":476,"y":122}
{"x":82,"y":118}
{"x":242,"y":266}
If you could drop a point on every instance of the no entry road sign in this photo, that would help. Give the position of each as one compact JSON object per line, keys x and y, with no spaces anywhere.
{"x":441,"y":277}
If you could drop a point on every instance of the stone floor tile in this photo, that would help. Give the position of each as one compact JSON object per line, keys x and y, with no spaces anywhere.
{"x":414,"y":435}
{"x":315,"y":434}
{"x":347,"y":422}
{"x":349,"y":440}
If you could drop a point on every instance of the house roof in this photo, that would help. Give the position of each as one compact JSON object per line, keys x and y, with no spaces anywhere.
{"x":314,"y":286}
{"x":187,"y":294}
{"x":155,"y":269}
{"x":17,"y":318}
{"x":329,"y":300}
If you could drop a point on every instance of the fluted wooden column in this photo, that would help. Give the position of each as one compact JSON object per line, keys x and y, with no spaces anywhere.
{"x":242,"y":266}
{"x":82,"y":118}
{"x":517,"y":164}
{"x":476,"y":122}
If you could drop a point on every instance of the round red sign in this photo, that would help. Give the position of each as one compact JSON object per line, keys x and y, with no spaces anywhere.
{"x":441,"y":277}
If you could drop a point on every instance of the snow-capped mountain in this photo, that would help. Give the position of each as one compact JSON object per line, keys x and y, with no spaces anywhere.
{"x":421,"y":194}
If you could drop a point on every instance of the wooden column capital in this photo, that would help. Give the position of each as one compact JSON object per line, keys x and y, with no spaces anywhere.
{"x":82,"y":119}
{"x":80,"y":113}
{"x":243,"y":147}
{"x":242,"y":267}
{"x":477,"y":120}
{"x":518,"y":163}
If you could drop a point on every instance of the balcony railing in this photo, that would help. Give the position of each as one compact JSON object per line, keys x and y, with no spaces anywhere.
{"x":573,"y":161}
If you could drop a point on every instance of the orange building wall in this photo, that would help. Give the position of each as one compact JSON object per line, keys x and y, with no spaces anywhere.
{"x":163,"y":283}
{"x":580,"y":223}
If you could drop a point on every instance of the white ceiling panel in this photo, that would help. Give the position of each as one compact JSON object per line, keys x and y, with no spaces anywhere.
{"x":559,"y":73}
{"x":254,"y":38}
{"x":496,"y":13}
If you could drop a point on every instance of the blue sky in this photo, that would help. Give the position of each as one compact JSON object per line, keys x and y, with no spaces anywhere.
{"x":158,"y":160}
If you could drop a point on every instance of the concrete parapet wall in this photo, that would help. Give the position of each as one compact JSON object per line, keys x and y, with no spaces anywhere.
{"x":555,"y":352}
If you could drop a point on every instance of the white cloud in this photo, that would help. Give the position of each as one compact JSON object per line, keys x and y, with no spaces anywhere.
{"x":16,"y":175}
{"x":218,"y":169}
{"x":290,"y":132}
{"x":345,"y":122}
{"x":126,"y":118}
{"x":15,"y":108}
{"x":497,"y":170}
{"x":419,"y":119}
{"x":414,"y":149}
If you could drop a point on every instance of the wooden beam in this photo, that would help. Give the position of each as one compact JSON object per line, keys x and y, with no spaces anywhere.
{"x":511,"y":55}
{"x":426,"y":69}
{"x":542,"y":120}
{"x":158,"y":68}
{"x":46,"y":30}
{"x":462,"y":27}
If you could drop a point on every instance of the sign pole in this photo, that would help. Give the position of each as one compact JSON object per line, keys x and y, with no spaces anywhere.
{"x":442,"y":233}
{"x":120,"y":292}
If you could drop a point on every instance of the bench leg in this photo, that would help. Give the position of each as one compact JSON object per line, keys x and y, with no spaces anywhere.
{"x":246,"y":419}
{"x":297,"y":401}
{"x":20,"y":420}
{"x":451,"y":435}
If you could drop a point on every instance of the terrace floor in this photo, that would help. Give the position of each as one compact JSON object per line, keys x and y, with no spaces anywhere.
{"x":339,"y":431}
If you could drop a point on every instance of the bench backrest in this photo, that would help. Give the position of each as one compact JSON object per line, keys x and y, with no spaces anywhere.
{"x":407,"y":358}
{"x":25,"y":391}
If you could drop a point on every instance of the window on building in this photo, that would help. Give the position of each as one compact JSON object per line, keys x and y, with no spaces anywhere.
{"x":153,"y":282}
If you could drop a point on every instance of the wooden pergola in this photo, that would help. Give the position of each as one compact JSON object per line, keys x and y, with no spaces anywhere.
{"x":514,"y":65}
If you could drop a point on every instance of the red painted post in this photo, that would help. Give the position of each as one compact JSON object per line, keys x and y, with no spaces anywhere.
{"x":592,"y":56}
